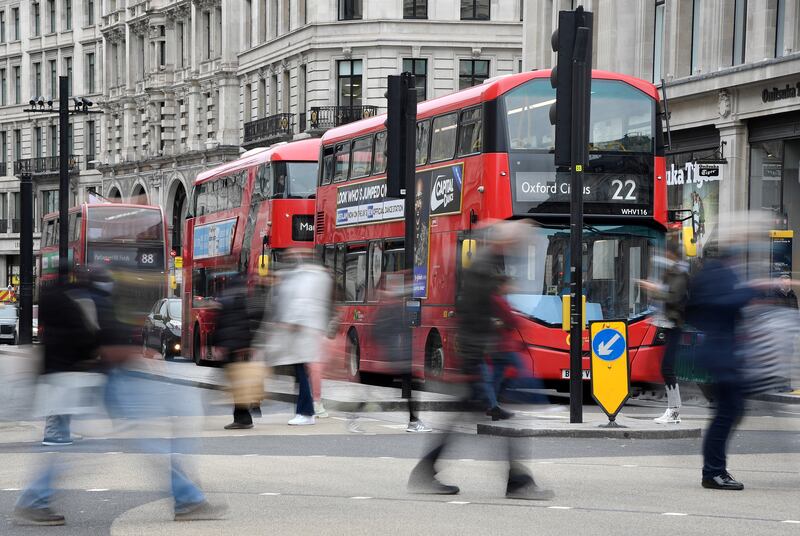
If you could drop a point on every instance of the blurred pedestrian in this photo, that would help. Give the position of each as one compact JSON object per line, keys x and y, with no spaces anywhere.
{"x":392,"y":333}
{"x":673,"y":291}
{"x":233,"y":338}
{"x":70,"y":342}
{"x":302,"y":312}
{"x":477,"y":336}
{"x":717,"y":295}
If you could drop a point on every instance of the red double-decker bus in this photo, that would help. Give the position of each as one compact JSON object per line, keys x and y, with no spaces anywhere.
{"x":245,"y":214}
{"x":486,"y":153}
{"x":129,"y":240}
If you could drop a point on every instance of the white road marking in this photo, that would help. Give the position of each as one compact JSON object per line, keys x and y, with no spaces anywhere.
{"x":794,"y":521}
{"x":11,"y":489}
{"x":457,"y":502}
{"x":629,"y":465}
{"x":674,"y":514}
{"x":466,"y":459}
{"x":317,"y":456}
{"x":559,"y":507}
{"x":113,"y":452}
{"x":386,"y":457}
{"x":269,"y":494}
{"x":248,"y":455}
{"x":97,"y":489}
{"x":360,"y":498}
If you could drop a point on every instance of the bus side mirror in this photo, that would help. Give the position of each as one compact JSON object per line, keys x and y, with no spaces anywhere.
{"x":263,"y":265}
{"x":566,"y":302}
{"x":689,"y":241}
{"x":468,"y":249}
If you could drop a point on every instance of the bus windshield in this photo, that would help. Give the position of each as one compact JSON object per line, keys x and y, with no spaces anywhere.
{"x":614,"y":257}
{"x":124,"y":224}
{"x":622,"y":118}
{"x":295,"y":180}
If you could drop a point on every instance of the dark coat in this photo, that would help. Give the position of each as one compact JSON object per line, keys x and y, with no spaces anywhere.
{"x":70,"y":342}
{"x":233,"y":331}
{"x":477,"y":332}
{"x":716,"y":299}
{"x":392,"y":334}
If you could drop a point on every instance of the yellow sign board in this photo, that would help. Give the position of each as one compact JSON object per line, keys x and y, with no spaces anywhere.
{"x":611,"y":378}
{"x":566,"y":308}
{"x":263,"y":265}
{"x":178,"y":262}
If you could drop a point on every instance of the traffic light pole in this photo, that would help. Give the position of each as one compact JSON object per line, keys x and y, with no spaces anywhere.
{"x":26,"y":259}
{"x":579,"y":155}
{"x":63,"y":179}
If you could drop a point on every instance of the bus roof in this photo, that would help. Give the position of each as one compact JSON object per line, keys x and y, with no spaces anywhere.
{"x":296,"y":151}
{"x":487,"y":91}
{"x":54,"y":215}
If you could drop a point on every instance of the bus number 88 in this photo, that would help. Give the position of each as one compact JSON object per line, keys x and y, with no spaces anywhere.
{"x":148,"y":258}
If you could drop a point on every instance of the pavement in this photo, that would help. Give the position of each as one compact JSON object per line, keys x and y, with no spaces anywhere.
{"x":322,"y":480}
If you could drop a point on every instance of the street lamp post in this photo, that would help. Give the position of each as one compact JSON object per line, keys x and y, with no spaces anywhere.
{"x":37,"y":105}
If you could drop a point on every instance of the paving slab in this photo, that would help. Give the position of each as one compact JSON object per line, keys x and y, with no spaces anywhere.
{"x":594,"y":426}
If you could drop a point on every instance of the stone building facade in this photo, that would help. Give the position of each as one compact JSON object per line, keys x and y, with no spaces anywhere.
{"x":729,"y":69}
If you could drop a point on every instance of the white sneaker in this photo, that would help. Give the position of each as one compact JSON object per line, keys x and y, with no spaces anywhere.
{"x":302,"y":420}
{"x":319,"y":410}
{"x":418,"y":426}
{"x":671,"y":416}
{"x":354,"y":427}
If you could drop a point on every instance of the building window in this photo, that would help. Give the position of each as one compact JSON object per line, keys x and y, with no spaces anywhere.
{"x":3,"y":88}
{"x":695,"y":58}
{"x":89,"y":12}
{"x":472,"y":72}
{"x":780,"y":26}
{"x":49,"y":201}
{"x":475,"y":9}
{"x":739,"y":31}
{"x":38,"y":142}
{"x":766,"y":172}
{"x":91,"y":141}
{"x":247,"y":109}
{"x":37,"y":22}
{"x":180,"y":30}
{"x":52,"y":140}
{"x":207,"y":28}
{"x":658,"y":42}
{"x":17,"y":144}
{"x":2,"y":26}
{"x":349,"y":9}
{"x":3,"y":146}
{"x":17,"y":86}
{"x":90,"y":74}
{"x":415,"y":9}
{"x":15,"y":16}
{"x":37,"y":80}
{"x":68,"y":68}
{"x":51,"y":15}
{"x":419,"y":68}
{"x":68,"y":14}
{"x":162,"y":47}
{"x":349,"y":83}
{"x":53,"y":79}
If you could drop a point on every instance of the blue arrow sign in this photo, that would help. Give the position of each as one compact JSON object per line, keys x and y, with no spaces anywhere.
{"x":608,"y":344}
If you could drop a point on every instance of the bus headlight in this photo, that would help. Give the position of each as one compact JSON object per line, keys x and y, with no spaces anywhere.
{"x":661,"y":337}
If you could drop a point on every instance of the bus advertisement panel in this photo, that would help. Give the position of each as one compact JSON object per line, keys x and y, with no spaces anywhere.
{"x":485,"y":154}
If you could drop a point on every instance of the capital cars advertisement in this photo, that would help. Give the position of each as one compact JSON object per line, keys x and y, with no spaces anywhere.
{"x":437,"y":192}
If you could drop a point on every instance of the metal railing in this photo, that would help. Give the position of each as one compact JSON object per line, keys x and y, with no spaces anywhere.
{"x":324,"y":117}
{"x":16,"y":225}
{"x":271,"y":128}
{"x":3,"y":226}
{"x":43,"y":164}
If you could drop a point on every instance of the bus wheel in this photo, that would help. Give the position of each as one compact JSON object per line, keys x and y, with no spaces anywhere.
{"x":434,"y":356}
{"x":353,"y":354}
{"x":197,"y":351}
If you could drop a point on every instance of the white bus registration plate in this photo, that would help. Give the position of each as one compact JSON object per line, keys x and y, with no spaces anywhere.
{"x":586,"y":374}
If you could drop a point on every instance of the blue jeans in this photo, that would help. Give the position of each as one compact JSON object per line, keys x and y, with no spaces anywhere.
{"x":305,"y":401}
{"x":56,"y":427}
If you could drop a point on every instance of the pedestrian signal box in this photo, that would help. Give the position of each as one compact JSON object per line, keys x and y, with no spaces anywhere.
{"x":611,"y":378}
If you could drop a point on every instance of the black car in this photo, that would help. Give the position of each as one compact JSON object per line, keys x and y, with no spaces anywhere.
{"x":162,"y":328}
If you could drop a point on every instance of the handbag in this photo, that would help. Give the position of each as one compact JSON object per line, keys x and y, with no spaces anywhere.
{"x":769,"y":334}
{"x":246,"y":381}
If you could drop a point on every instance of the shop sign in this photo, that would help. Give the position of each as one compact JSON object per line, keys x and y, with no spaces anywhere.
{"x":694,"y":173}
{"x":778,"y":94}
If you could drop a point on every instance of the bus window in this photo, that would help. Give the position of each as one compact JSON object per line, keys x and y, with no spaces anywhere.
{"x":338,"y":272}
{"x":394,"y":257}
{"x":362,"y":158}
{"x":328,"y":159}
{"x":342,"y":162}
{"x":262,"y":179}
{"x":471,"y":133}
{"x":355,"y":276}
{"x":329,"y":257}
{"x":423,"y":140}
{"x":443,"y":140}
{"x":74,"y":226}
{"x":380,"y":153}
{"x":48,"y":233}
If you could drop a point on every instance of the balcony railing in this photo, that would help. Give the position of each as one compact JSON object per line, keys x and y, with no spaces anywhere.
{"x":3,"y":226}
{"x":325,"y":117}
{"x":278,"y":127}
{"x":43,"y":165}
{"x":16,"y":224}
{"x":2,"y":169}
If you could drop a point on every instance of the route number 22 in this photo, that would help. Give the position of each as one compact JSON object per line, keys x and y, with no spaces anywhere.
{"x":620,"y":194}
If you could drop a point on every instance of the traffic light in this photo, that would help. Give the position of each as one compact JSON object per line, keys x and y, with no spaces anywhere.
{"x":401,"y":124}
{"x":573,"y":44}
